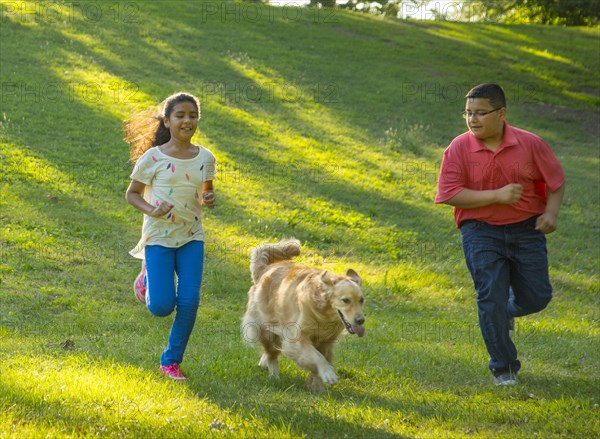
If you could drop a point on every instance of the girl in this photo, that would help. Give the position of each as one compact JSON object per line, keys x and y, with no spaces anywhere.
{"x":169,"y":170}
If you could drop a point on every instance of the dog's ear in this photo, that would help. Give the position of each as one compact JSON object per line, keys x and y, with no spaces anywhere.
{"x":322,"y":290}
{"x":326,"y":280}
{"x":353,"y":275}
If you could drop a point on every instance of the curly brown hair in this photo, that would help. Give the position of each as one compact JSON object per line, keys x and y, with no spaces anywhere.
{"x":147,"y":128}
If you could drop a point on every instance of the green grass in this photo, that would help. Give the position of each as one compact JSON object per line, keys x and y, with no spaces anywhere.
{"x":328,"y":127}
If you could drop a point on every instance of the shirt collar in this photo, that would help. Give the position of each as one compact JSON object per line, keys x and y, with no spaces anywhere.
{"x":509,"y":139}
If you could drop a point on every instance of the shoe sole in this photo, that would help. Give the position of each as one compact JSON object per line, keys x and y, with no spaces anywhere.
{"x":139,"y":296}
{"x":506,"y":383}
{"x":174,"y":378}
{"x":182,"y":378}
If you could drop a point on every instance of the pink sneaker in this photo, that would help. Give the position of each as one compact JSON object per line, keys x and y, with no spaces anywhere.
{"x":139,"y":287}
{"x":173,"y":371}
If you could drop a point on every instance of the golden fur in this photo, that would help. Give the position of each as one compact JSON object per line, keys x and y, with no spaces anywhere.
{"x":300,"y":311}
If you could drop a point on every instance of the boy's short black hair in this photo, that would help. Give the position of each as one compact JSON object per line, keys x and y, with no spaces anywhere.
{"x":493,"y":92}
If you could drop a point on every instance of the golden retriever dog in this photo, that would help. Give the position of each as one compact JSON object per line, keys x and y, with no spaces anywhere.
{"x":300,"y":311}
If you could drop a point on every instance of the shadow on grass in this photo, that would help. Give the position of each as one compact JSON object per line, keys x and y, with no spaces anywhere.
{"x":153,"y":56}
{"x":452,"y":395}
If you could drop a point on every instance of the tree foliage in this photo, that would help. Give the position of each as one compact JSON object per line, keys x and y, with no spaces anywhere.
{"x":557,"y":12}
{"x":390,"y":8}
{"x":323,"y":3}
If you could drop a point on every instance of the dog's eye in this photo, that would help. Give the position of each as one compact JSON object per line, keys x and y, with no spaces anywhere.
{"x":346,"y":300}
{"x":362,"y":300}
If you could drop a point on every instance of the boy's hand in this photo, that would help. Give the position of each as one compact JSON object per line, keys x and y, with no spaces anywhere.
{"x":162,"y":209}
{"x":510,"y":194}
{"x":208,"y":198}
{"x":546,"y":223}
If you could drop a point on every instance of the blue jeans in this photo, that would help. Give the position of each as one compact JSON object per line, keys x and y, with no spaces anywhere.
{"x":509,"y":267}
{"x":163,"y":297}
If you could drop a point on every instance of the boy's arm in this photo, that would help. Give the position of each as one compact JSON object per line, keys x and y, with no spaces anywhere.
{"x":546,"y":223}
{"x":472,"y":199}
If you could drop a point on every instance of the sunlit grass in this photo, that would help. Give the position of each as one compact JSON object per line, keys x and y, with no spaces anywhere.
{"x":20,"y":164}
{"x":547,"y":55}
{"x":105,"y":398}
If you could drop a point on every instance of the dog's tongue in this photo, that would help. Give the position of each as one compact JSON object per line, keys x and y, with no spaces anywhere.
{"x":358,"y":330}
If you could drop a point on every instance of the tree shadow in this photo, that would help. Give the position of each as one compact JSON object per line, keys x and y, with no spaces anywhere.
{"x":148,"y":60}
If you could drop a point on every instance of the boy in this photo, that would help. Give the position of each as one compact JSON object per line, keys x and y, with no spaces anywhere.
{"x":506,"y":186}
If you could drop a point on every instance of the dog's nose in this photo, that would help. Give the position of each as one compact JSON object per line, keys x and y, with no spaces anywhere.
{"x":360,"y":320}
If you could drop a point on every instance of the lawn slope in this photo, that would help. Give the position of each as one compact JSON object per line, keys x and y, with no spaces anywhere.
{"x":328,"y":126}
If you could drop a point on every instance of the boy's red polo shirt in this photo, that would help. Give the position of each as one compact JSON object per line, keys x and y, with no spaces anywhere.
{"x":522,"y":158}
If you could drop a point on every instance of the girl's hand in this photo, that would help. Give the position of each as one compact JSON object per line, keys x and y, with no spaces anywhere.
{"x":162,"y":209}
{"x":208,"y":198}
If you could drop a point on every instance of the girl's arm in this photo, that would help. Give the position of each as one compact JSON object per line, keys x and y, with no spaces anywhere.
{"x":135,"y":197}
{"x":208,"y":196}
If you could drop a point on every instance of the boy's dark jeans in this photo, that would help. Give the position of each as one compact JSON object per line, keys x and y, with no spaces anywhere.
{"x":509,"y":267}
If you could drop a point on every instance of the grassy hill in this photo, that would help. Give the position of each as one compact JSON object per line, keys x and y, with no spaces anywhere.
{"x":328,"y":126}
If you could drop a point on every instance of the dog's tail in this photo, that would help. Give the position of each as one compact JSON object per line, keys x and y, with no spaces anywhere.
{"x":266,"y":254}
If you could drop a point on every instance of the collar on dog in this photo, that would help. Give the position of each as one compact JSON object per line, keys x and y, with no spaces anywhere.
{"x":345,"y":322}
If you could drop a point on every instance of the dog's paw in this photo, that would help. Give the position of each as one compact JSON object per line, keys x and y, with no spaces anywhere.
{"x":315,"y":383}
{"x":274,"y":369}
{"x":272,"y":365}
{"x":328,"y":375}
{"x":264,"y":361}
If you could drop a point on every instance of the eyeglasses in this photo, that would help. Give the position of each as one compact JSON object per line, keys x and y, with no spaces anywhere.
{"x":468,"y":114}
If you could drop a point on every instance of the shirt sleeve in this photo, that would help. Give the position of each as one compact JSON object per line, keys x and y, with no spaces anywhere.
{"x":452,"y":178}
{"x":145,"y":168}
{"x":210,"y":166}
{"x":548,"y":166}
